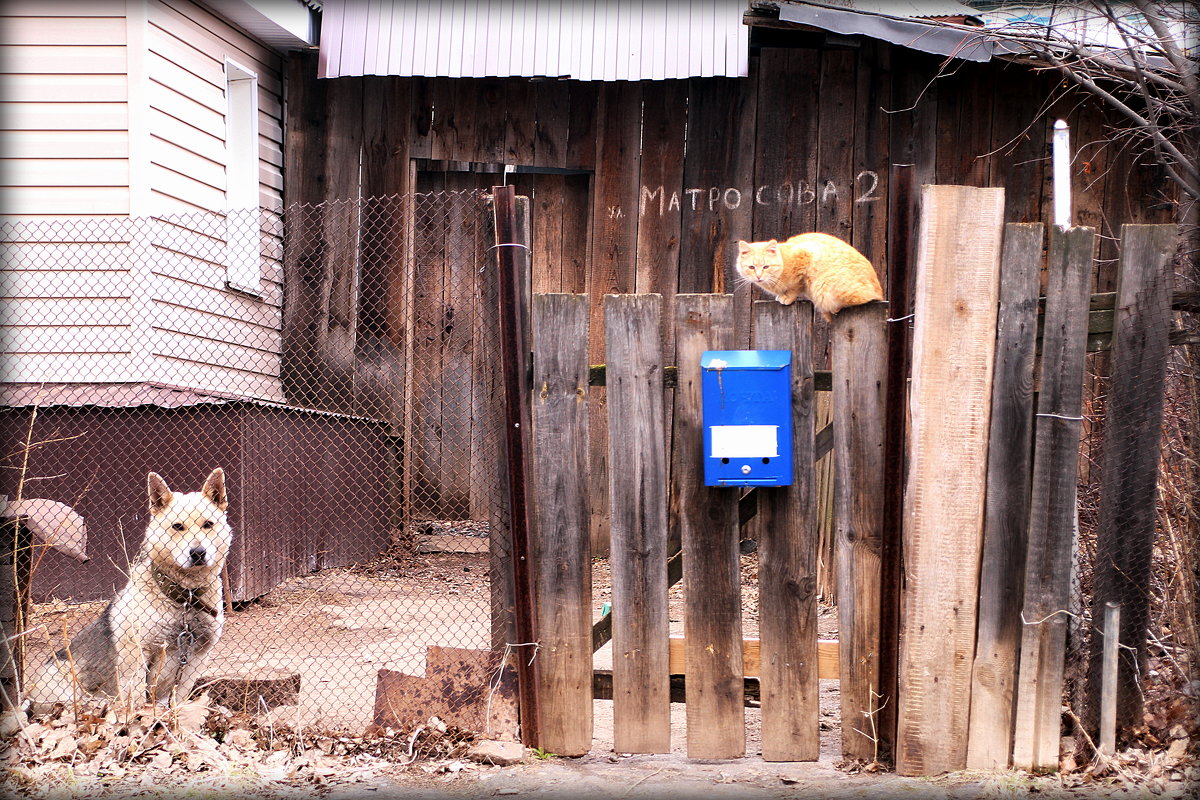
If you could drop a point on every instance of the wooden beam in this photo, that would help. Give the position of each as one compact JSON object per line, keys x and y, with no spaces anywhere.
{"x":957,"y":287}
{"x":787,"y":560}
{"x":638,"y":502}
{"x":559,"y":519}
{"x":602,"y":688}
{"x":1052,"y":504}
{"x":708,"y":523}
{"x":827,"y":650}
{"x":1129,"y":463}
{"x":1010,"y":455}
{"x":859,"y":351}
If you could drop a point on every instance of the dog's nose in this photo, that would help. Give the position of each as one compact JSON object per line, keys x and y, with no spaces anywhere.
{"x":198,"y":556}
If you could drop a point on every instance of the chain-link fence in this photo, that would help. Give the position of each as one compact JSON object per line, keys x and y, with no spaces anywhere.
{"x":350,"y":411}
{"x":1140,"y":553}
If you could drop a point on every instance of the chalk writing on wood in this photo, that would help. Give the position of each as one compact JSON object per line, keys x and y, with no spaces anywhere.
{"x":787,"y":193}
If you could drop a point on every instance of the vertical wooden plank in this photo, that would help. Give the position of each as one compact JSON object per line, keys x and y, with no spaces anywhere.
{"x":659,"y":212}
{"x":582,"y":116}
{"x":902,"y":225}
{"x":501,"y":574}
{"x":613,"y":259}
{"x":548,"y":213}
{"x":952,"y":167}
{"x":483,"y":489}
{"x":577,"y":213}
{"x":957,"y":285}
{"x":835,"y":156}
{"x":1019,"y":144}
{"x":708,"y":522}
{"x":1092,"y":166}
{"x":559,"y":510}
{"x":304,"y":177}
{"x":859,"y":363}
{"x":421,"y":144}
{"x":512,"y":235}
{"x":459,"y":300}
{"x":518,"y":128}
{"x":552,"y":103}
{"x":491,"y":110}
{"x":443,"y":129}
{"x":869,"y":184}
{"x":1129,"y":472}
{"x":1052,"y":504}
{"x":1010,"y":445}
{"x":785,"y":143}
{"x":833,"y":197}
{"x":338,"y":321}
{"x":638,"y":498}
{"x":424,"y":445}
{"x":708,"y":531}
{"x":787,"y":558}
{"x":718,"y":205}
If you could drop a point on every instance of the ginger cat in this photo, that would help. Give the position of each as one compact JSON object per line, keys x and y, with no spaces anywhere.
{"x":823,"y":268}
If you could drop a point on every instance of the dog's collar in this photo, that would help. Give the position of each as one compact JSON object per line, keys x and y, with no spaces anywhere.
{"x":188,"y":598}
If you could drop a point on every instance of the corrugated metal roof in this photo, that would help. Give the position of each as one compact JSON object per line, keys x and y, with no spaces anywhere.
{"x":958,"y":41}
{"x":605,"y":40}
{"x":918,"y":9}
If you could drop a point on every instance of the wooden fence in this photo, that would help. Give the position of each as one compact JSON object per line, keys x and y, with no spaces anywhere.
{"x":994,"y":409}
{"x":648,"y":501}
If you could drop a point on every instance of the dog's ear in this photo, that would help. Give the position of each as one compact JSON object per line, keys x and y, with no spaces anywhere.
{"x":160,"y":494}
{"x":214,"y":489}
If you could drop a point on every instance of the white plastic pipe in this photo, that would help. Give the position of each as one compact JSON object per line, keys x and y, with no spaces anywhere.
{"x":1061,"y":163}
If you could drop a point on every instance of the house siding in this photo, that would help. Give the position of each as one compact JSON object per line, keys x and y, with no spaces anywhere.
{"x":127,"y":153}
{"x":63,"y":113}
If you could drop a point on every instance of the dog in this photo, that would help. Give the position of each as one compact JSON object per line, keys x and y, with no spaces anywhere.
{"x":151,"y":640}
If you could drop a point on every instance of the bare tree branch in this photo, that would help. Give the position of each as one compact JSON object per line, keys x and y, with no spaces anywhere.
{"x":1144,"y":74}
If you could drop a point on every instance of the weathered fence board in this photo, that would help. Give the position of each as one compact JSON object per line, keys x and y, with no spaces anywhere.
{"x":1052,"y":504}
{"x":957,"y":283}
{"x":1010,"y":453}
{"x":708,"y":525}
{"x":1129,"y":472}
{"x":859,"y":360}
{"x":611,"y":266}
{"x":638,"y":503}
{"x":512,"y":283}
{"x":561,"y":547}
{"x":787,"y":558}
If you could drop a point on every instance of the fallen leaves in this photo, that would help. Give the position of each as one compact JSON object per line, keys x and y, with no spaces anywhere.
{"x":78,"y":752}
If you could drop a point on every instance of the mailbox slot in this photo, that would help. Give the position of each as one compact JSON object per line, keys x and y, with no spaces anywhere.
{"x":747,"y":414}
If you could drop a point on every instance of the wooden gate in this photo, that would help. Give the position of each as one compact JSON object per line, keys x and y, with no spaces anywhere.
{"x":657,"y":499}
{"x":988,"y":506}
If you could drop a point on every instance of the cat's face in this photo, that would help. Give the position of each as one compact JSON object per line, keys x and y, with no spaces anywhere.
{"x":760,"y":261}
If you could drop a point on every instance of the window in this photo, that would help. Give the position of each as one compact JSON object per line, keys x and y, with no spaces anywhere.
{"x":243,"y":248}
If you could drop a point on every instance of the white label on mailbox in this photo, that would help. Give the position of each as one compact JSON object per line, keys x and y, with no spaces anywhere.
{"x":745,"y":441}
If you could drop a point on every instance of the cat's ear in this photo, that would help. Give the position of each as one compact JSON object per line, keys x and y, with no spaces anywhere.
{"x":743,"y":247}
{"x":773,"y":246}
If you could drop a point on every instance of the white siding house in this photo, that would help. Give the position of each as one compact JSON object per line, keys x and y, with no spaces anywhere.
{"x":142,"y":176}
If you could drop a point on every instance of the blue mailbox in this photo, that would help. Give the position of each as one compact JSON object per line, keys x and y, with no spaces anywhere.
{"x":747,"y":409}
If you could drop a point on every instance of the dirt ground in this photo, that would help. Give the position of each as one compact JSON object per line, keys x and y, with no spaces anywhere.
{"x":338,"y":628}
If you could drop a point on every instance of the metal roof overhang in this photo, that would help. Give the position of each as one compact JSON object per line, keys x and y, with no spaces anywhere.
{"x":937,"y":38}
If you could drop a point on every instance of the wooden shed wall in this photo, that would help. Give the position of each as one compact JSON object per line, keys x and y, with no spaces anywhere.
{"x":681,"y":169}
{"x":676,"y":171}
